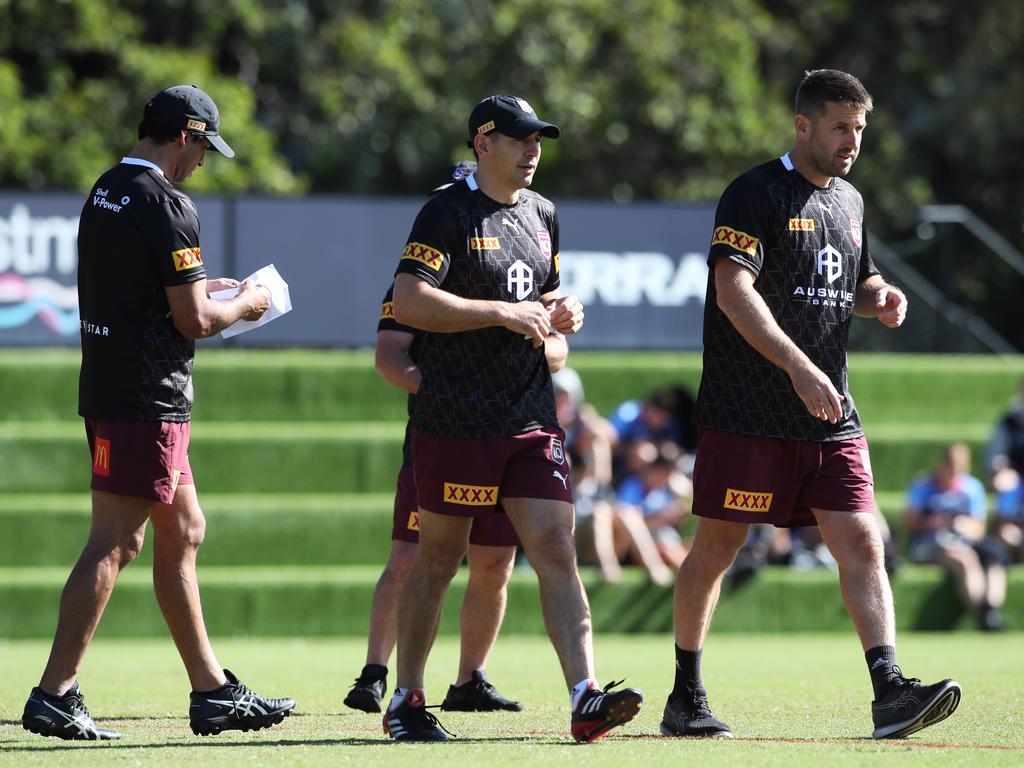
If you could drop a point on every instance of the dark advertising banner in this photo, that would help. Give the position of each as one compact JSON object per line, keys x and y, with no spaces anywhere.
{"x":638,"y":268}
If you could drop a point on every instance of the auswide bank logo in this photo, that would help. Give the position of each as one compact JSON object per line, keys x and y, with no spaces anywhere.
{"x":35,"y":254}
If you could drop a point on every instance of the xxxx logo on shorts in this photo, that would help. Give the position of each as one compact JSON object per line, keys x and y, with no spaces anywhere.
{"x":471,"y":495}
{"x":186,"y":258}
{"x":387,"y":310}
{"x":747,"y":501}
{"x":414,"y":521}
{"x":101,"y":457}
{"x":424,"y":254}
{"x":741,"y":241}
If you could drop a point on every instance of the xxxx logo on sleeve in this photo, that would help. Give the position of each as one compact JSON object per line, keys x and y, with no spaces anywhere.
{"x":186,"y":258}
{"x":471,"y":495}
{"x":414,"y":521}
{"x":387,"y":310}
{"x":741,"y":241}
{"x":424,"y":254}
{"x":747,"y":501}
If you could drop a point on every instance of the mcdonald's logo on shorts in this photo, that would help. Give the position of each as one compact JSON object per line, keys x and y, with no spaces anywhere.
{"x":101,"y":457}
{"x":471,"y":495}
{"x":414,"y":521}
{"x":747,"y":501}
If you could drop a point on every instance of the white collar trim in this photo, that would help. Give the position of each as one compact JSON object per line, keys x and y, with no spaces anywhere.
{"x":786,"y":162}
{"x":471,"y":181}
{"x":140,"y":161}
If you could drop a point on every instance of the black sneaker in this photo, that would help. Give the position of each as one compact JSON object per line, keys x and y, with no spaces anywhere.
{"x":369,"y":689}
{"x":233,"y":707}
{"x":65,"y":717}
{"x":691,"y":716}
{"x":410,"y":721}
{"x":597,"y":711}
{"x":909,"y":706}
{"x":477,"y":695}
{"x":991,"y":620}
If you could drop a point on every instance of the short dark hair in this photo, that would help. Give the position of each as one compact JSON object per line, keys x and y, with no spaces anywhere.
{"x":820,"y":86}
{"x":158,"y":132}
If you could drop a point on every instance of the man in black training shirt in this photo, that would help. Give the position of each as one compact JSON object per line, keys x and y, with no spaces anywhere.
{"x":144,"y":299}
{"x":480,"y":274}
{"x":780,"y":439}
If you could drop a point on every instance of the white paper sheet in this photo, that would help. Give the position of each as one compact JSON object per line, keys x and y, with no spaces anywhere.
{"x":280,"y":300}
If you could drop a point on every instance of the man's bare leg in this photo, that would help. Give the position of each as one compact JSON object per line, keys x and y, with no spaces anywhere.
{"x":178,"y":530}
{"x":444,"y":540}
{"x":699,"y":581}
{"x":115,"y":539}
{"x":856,"y":544}
{"x":546,"y":529}
{"x":483,"y":607}
{"x":383,"y":632}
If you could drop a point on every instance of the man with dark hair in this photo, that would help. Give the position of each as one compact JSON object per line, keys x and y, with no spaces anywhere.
{"x":144,"y":299}
{"x":780,"y":439}
{"x":479,"y":273}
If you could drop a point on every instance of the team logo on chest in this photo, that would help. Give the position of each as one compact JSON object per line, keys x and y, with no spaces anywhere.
{"x":544,"y":241}
{"x":830,"y":263}
{"x":855,"y":230}
{"x":520,"y":280}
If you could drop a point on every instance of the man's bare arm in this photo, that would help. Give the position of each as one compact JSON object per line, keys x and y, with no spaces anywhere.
{"x":197,"y":316}
{"x":421,"y":305}
{"x":392,"y":361}
{"x":876,"y":298}
{"x":749,"y":314}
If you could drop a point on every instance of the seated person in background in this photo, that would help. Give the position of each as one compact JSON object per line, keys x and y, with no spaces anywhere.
{"x":1006,"y":449}
{"x":603,"y":537}
{"x":1008,"y":525}
{"x":640,"y":426}
{"x":945,"y":522}
{"x":661,"y":495}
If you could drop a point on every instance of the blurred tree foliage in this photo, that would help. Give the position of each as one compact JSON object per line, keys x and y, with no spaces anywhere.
{"x":657,"y":99}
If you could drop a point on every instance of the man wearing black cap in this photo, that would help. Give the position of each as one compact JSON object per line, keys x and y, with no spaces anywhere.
{"x":143,"y":300}
{"x":479,"y":274}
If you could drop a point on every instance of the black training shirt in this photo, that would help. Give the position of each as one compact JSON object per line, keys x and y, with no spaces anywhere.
{"x":489,"y":382}
{"x":808,"y":249}
{"x":137,"y":235}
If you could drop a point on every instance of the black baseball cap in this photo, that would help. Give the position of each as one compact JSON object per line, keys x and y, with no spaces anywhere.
{"x":189,"y":108}
{"x":509,"y":115}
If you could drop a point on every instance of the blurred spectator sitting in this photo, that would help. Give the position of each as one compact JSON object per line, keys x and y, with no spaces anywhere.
{"x":643,"y":427}
{"x":1006,"y":449}
{"x":603,"y":537}
{"x":945,"y":521}
{"x":661,"y":495}
{"x":1008,"y":525}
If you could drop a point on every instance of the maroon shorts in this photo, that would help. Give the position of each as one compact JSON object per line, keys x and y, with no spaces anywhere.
{"x":148,"y":459}
{"x":466,"y":477}
{"x":771,"y":480}
{"x":490,"y":529}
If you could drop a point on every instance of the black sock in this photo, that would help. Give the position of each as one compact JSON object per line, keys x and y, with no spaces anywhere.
{"x":687,"y":673}
{"x":376,"y":671}
{"x":881,"y":660}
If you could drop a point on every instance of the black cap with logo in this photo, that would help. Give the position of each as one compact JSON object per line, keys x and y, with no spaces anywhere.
{"x":509,"y":115}
{"x":186,"y":107}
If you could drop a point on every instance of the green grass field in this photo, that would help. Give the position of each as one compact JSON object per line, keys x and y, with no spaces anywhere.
{"x":792,"y":700}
